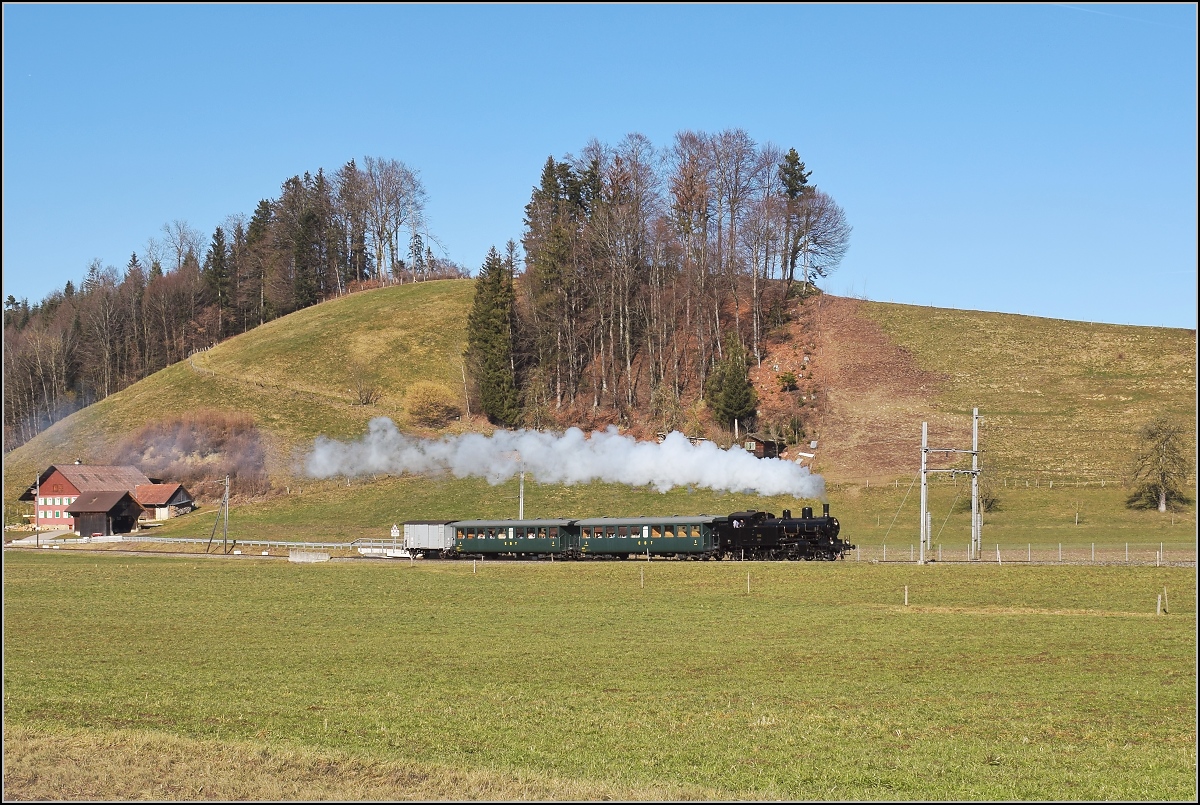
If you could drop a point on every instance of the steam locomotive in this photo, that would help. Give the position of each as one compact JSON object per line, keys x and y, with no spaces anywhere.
{"x":741,"y":535}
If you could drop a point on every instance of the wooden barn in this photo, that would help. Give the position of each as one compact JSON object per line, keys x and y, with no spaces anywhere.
{"x":102,"y":514}
{"x":164,"y":501}
{"x":763,"y":446}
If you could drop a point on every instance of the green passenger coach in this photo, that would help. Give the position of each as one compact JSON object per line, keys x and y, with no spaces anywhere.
{"x":689,"y":537}
{"x":527,"y":538}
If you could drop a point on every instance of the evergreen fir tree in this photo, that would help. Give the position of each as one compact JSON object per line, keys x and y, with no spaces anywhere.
{"x":489,"y":341}
{"x":217,"y":281}
{"x":728,"y":389}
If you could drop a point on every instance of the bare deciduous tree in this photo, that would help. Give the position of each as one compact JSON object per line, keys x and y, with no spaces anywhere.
{"x":1163,"y":465}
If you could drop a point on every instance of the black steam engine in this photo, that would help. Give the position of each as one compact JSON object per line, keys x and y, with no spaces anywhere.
{"x":761,"y":535}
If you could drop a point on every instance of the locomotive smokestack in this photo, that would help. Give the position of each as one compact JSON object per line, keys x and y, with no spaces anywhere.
{"x":825,"y":510}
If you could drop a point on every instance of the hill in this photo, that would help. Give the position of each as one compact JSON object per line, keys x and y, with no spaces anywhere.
{"x":1059,"y":399}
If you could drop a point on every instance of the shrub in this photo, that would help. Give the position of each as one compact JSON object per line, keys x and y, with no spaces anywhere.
{"x":431,"y":404}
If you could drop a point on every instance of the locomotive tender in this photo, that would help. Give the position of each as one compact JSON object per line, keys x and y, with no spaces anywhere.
{"x":741,"y":535}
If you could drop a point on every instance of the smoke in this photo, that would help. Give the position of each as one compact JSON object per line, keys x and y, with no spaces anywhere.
{"x":569,"y":458}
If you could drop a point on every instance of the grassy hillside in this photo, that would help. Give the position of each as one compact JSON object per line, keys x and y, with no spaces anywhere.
{"x":294,"y":376}
{"x":1060,"y":400}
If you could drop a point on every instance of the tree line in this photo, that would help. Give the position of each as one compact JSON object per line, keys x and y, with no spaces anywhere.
{"x":651,"y":277}
{"x":323,"y":236}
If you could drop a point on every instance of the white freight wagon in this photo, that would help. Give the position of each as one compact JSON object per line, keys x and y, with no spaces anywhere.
{"x":429,"y":537}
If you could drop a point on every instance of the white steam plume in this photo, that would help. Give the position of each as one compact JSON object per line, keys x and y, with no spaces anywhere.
{"x":569,"y":458}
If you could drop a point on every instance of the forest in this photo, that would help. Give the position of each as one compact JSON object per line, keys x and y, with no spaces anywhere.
{"x":644,"y":277}
{"x":649,"y":277}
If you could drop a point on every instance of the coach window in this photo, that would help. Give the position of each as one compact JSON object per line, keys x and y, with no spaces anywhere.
{"x":586,"y":533}
{"x":553,"y":532}
{"x":655,"y":530}
{"x":623,"y":532}
{"x":695,"y":529}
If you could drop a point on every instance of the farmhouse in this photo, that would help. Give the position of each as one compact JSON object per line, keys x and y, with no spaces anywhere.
{"x":58,"y":487}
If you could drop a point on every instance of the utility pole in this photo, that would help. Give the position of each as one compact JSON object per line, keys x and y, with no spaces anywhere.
{"x":976,"y":519}
{"x":976,"y":516}
{"x":222,"y":512}
{"x":924,"y":487}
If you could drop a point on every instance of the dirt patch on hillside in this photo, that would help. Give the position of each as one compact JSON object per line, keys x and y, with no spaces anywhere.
{"x":861,"y":397}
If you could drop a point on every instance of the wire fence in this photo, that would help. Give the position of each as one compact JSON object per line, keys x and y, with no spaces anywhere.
{"x":1126,"y":553}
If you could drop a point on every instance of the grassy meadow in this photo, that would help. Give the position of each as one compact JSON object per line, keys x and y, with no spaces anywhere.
{"x":223,"y":678}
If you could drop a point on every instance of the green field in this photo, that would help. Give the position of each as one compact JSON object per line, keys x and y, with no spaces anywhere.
{"x":192,"y":677}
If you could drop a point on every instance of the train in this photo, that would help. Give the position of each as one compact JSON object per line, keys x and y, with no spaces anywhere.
{"x":742,"y":535}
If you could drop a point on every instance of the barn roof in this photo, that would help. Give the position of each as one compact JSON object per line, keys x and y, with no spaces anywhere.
{"x":157,"y":494}
{"x":92,"y":502}
{"x":763,"y":438}
{"x":93,"y":478}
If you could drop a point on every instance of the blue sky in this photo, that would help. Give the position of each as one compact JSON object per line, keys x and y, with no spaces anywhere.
{"x":1036,"y":159}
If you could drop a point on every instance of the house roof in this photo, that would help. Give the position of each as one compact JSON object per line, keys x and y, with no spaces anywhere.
{"x":157,"y":494}
{"x":93,"y":478}
{"x":92,"y":502}
{"x":759,"y":437}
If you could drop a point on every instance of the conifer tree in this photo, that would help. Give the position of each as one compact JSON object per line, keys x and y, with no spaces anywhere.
{"x":489,"y":341}
{"x":794,"y":180}
{"x":217,"y":281}
{"x":728,"y":389}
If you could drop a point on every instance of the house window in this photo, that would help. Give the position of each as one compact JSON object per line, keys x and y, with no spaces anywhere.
{"x":749,"y":446}
{"x":57,"y":514}
{"x":41,"y":501}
